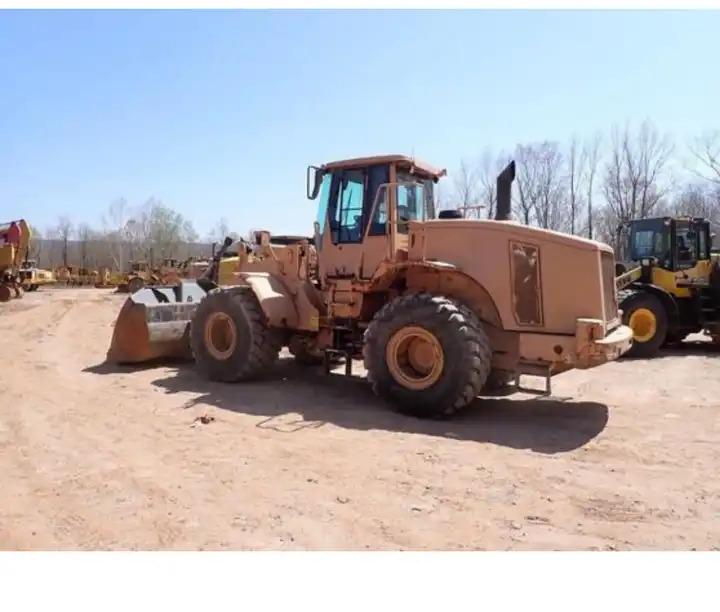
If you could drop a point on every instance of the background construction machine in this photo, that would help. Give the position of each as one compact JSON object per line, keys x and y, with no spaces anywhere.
{"x":140,"y":274}
{"x":32,"y":277}
{"x":669,"y":286}
{"x":438,"y":309}
{"x":14,"y":241}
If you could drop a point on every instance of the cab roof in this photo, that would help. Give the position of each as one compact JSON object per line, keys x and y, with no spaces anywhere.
{"x":411,"y":163}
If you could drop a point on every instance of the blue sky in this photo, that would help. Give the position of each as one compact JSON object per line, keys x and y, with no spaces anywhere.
{"x":218,"y":113}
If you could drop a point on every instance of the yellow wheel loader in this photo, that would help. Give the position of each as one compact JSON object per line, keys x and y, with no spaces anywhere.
{"x":32,"y":277}
{"x":14,"y":242}
{"x":670,"y":285}
{"x":438,"y":309}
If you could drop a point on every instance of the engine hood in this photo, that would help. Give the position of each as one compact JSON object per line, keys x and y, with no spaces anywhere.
{"x":525,"y":232}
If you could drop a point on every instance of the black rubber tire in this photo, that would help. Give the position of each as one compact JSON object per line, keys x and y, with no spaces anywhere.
{"x":465,"y":345}
{"x":674,"y":337}
{"x":135,"y":284}
{"x":5,"y":293}
{"x":642,"y":299}
{"x":257,"y":345}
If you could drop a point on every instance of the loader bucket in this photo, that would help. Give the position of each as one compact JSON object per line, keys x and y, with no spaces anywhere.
{"x":154,"y":323}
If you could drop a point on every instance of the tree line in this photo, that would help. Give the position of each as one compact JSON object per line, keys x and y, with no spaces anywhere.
{"x":588,"y":186}
{"x":151,"y":232}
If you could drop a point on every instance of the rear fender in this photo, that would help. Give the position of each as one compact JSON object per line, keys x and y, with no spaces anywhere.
{"x":665,"y":297}
{"x":443,"y":279}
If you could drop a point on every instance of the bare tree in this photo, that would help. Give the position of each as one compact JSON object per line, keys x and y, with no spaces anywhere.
{"x":466,"y":185}
{"x":706,"y":150}
{"x":220,"y":231}
{"x":114,"y":223}
{"x":164,"y":230}
{"x":576,"y":170}
{"x":633,"y":183}
{"x":85,"y":234}
{"x":591,"y":152}
{"x":541,"y":191}
{"x":62,"y":230}
{"x":526,"y":181}
{"x":698,"y":200}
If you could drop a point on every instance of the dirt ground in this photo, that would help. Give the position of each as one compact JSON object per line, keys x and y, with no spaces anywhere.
{"x":100,"y":457}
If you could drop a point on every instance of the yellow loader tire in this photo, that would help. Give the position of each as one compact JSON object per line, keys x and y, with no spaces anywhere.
{"x":645,"y":314}
{"x":429,"y":355}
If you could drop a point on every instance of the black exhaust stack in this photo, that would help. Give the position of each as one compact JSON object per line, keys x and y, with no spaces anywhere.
{"x":503,"y":211}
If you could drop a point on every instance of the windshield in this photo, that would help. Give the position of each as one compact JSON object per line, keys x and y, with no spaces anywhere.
{"x":416,"y":198}
{"x":651,"y":240}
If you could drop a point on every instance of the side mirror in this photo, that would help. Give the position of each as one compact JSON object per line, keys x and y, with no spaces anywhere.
{"x":313,"y":180}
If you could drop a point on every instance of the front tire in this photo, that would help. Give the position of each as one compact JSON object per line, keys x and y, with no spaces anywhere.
{"x":646,"y":316}
{"x":230,"y":338}
{"x":427,"y":354}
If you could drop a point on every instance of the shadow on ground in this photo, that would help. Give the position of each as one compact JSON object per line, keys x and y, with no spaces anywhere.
{"x":542,"y":425}
{"x":108,"y":367}
{"x":685,"y":348}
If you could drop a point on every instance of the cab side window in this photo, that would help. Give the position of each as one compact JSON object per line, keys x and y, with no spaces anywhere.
{"x":346,"y":206}
{"x":686,"y":247}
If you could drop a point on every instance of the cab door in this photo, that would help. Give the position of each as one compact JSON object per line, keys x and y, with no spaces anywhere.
{"x":349,"y":248}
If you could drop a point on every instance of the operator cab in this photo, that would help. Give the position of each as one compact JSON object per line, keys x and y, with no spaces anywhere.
{"x":355,"y":193}
{"x":675,"y":243}
{"x":365,"y":207}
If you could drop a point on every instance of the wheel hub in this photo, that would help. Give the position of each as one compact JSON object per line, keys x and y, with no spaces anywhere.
{"x":220,"y":335}
{"x":644,"y":324}
{"x":415,"y":357}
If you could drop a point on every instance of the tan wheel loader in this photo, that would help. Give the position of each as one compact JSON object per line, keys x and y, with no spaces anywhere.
{"x":439,"y":309}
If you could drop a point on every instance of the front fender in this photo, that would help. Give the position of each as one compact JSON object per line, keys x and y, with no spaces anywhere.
{"x":667,"y":298}
{"x":275,"y":299}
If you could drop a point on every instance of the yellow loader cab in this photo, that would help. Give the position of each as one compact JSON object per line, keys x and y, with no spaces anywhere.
{"x":670,"y":286}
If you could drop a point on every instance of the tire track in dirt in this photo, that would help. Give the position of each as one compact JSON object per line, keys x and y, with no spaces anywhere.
{"x":63,"y":456}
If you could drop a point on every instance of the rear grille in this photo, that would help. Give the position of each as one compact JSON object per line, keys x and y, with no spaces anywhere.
{"x":607,"y":262}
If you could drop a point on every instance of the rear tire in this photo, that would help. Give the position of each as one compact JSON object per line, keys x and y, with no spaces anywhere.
{"x":647,"y":317}
{"x":5,"y":293}
{"x":230,"y":338}
{"x":434,"y":387}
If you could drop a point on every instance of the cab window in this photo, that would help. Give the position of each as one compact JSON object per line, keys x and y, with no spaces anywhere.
{"x":346,"y":206}
{"x":686,"y":247}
